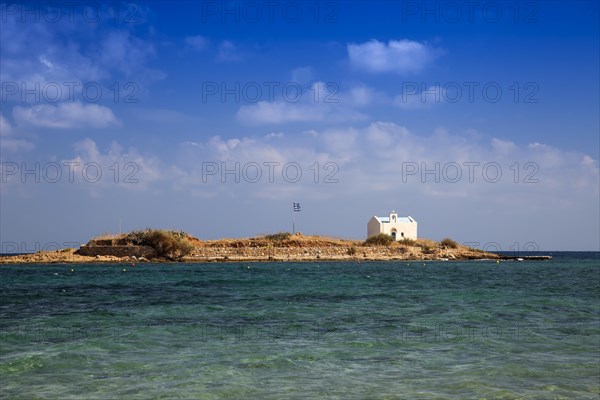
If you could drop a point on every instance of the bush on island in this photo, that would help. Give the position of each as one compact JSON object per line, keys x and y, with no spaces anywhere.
{"x":278,"y":236}
{"x":447,"y":242}
{"x":171,"y":245}
{"x":380,"y":239}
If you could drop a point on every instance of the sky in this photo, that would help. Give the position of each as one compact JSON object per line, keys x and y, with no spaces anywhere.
{"x":478,"y":119}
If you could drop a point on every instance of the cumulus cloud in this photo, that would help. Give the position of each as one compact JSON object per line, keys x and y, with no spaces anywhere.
{"x":588,"y":161}
{"x":65,"y":115}
{"x":320,"y":101}
{"x":126,"y":53}
{"x":135,"y":171}
{"x":277,"y":113}
{"x":503,"y":146}
{"x":374,"y":158}
{"x":399,"y":56}
{"x":8,"y":139}
{"x":368,"y":162}
{"x":5,"y":127}
{"x":75,"y":51}
{"x":239,"y":153}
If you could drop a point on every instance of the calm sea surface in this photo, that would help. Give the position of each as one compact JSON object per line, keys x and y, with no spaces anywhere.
{"x":389,"y":330}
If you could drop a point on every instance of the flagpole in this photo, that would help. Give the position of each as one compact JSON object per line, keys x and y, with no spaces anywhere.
{"x":295,"y":208}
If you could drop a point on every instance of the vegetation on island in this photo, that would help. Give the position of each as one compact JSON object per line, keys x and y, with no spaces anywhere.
{"x":172,"y":245}
{"x":447,"y":242}
{"x":381,"y":239}
{"x":278,"y":237}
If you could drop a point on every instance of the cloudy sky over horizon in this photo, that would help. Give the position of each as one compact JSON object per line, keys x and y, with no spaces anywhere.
{"x":479,"y":121}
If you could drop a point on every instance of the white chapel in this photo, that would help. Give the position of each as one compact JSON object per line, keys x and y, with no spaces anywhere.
{"x":398,"y":227}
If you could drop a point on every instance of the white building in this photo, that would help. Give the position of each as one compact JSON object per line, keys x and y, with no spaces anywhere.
{"x":398,"y":227}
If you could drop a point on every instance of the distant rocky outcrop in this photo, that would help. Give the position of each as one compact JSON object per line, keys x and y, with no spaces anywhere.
{"x":148,"y":243}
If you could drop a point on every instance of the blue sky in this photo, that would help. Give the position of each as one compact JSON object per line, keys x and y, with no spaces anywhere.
{"x":480,"y":121}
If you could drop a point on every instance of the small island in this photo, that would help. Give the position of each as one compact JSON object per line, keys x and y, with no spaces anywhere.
{"x":153,"y":245}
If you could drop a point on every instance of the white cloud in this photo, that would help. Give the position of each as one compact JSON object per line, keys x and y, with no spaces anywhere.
{"x":360,"y":96}
{"x":399,"y":56}
{"x":370,"y":161}
{"x":45,"y":61}
{"x":265,"y":112}
{"x":243,"y":151}
{"x":228,"y":52}
{"x":5,"y":127}
{"x":385,"y":134}
{"x":74,"y":51}
{"x":274,"y":135}
{"x":319,"y":102}
{"x":120,"y":50}
{"x":65,"y":115}
{"x":197,"y":42}
{"x":503,"y":146}
{"x":588,"y":161}
{"x":372,"y":158}
{"x":134,"y":170}
{"x":548,"y":155}
{"x":424,"y":99}
{"x":8,"y":141}
{"x":303,"y":75}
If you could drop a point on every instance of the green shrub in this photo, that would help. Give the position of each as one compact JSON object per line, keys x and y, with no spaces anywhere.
{"x":380,"y":239}
{"x":351,"y":250}
{"x":281,"y":236}
{"x":447,"y":242}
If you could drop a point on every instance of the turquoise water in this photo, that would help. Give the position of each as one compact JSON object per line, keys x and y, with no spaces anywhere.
{"x":386,"y":330}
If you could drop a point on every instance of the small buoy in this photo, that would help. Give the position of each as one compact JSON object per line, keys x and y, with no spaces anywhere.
{"x":72,"y":270}
{"x":124,"y":270}
{"x":497,"y":261}
{"x":132,"y":264}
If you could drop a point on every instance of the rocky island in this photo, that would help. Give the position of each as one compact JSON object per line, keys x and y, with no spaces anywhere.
{"x":173,"y":246}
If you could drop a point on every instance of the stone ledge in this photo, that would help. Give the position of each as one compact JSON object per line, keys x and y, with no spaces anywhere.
{"x":117,"y":251}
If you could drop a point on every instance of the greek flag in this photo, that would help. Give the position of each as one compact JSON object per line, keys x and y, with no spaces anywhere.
{"x":296,"y":206}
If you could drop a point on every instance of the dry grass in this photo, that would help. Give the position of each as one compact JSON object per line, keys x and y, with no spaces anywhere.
{"x":108,"y":236}
{"x":280,"y":240}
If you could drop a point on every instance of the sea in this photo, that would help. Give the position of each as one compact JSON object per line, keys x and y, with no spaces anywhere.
{"x":302,"y":330}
